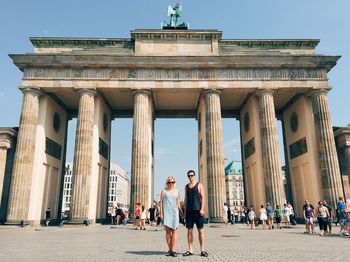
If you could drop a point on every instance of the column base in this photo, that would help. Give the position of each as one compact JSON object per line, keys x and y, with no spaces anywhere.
{"x":216,"y":220}
{"x":21,"y":223}
{"x":82,"y":222}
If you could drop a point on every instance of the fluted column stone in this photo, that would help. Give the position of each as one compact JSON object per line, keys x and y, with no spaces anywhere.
{"x":82,"y":165}
{"x":269,"y":147}
{"x":3,"y":157}
{"x":215,"y":156}
{"x":141,"y":144}
{"x":21,"y":181}
{"x":328,"y":159}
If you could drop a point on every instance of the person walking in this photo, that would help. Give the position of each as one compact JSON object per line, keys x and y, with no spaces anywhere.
{"x":308,"y":212}
{"x":169,"y":212}
{"x":278,"y":216}
{"x":194,"y":212}
{"x":330,"y":218}
{"x":341,"y":216}
{"x":269,"y":212}
{"x":322,"y":215}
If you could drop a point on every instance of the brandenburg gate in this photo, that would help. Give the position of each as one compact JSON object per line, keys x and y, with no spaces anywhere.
{"x":170,"y":74}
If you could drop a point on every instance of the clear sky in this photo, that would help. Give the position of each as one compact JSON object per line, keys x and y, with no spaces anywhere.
{"x":175,"y":145}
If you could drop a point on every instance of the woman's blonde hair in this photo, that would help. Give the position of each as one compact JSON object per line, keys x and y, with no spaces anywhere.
{"x":169,"y":178}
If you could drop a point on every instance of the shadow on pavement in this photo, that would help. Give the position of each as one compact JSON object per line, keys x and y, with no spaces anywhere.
{"x":146,"y":253}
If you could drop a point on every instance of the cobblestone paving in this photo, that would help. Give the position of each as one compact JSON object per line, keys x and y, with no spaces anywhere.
{"x":224,"y":243}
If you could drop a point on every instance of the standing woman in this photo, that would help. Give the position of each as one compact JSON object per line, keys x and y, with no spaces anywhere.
{"x":263,"y":216}
{"x":169,"y":212}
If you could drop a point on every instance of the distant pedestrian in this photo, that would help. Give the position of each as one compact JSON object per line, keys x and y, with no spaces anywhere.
{"x":126,"y":217}
{"x":341,"y":216}
{"x":119,"y":214}
{"x":291,"y":215}
{"x":137,"y":216}
{"x":169,"y":212}
{"x":251,"y":217}
{"x":263,"y":216}
{"x":330,"y":218}
{"x":308,"y":213}
{"x":225,"y":215}
{"x":347,"y":216}
{"x":322,"y":215}
{"x":112,"y":212}
{"x":143,"y":217}
{"x":246,"y":211}
{"x":47,"y":216}
{"x":286,"y":215}
{"x":194,"y":212}
{"x":235,"y":214}
{"x":278,"y":217}
{"x":269,"y":212}
{"x":152,"y":214}
{"x":229,"y":216}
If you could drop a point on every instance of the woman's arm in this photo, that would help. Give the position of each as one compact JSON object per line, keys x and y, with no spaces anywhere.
{"x":161,"y":204}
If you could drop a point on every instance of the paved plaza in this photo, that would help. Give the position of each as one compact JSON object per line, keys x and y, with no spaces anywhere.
{"x":106,"y":243}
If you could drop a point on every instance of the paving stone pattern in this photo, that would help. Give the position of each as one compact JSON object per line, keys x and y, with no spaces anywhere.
{"x":224,"y":243}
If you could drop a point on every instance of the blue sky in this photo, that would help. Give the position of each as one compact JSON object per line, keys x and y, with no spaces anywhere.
{"x":175,"y":145}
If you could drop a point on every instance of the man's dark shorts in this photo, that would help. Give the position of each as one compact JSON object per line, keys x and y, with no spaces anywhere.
{"x":194,"y":217}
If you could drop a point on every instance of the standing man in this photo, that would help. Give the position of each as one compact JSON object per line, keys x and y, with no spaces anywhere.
{"x":194,"y":212}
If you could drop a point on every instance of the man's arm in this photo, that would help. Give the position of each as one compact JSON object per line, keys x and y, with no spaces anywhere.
{"x":185,"y":202}
{"x":201,"y":191}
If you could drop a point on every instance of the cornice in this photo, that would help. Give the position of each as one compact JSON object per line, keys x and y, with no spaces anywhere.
{"x":272,"y":43}
{"x":79,"y":42}
{"x":155,"y":34}
{"x":170,"y":62}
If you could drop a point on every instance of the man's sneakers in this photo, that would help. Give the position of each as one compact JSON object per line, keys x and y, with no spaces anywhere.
{"x":204,"y":254}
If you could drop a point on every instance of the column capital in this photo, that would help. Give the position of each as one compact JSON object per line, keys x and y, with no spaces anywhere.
{"x":7,"y":137}
{"x":318,"y":92}
{"x":211,"y":90}
{"x":261,"y":92}
{"x":87,"y":90}
{"x":31,"y":90}
{"x":141,"y":91}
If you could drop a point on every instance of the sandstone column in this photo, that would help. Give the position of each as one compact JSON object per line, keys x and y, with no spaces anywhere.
{"x":21,"y":182}
{"x":269,"y":147}
{"x":3,"y":156}
{"x":82,"y":164}
{"x":328,"y":159}
{"x":215,"y":156}
{"x":141,"y":153}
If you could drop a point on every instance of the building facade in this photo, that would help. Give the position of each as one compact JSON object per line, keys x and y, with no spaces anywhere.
{"x":67,"y":187}
{"x":119,"y":187}
{"x":171,"y":73}
{"x":234,"y":185}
